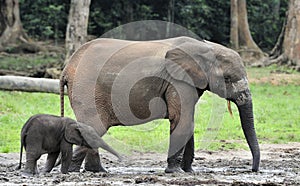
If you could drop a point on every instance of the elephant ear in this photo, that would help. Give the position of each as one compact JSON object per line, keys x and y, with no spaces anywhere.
{"x":81,"y":134}
{"x":72,"y":133}
{"x":190,"y":62}
{"x":89,"y":135}
{"x":93,"y":140}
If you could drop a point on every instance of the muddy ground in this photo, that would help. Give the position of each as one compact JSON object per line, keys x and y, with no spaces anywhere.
{"x":280,"y":165}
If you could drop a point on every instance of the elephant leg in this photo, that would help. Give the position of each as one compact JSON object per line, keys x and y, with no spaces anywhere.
{"x":66,"y":157}
{"x":77,"y":159}
{"x":92,"y":161}
{"x":31,"y":163}
{"x":188,"y":156}
{"x":179,"y":156}
{"x":181,"y":102}
{"x":51,"y":159}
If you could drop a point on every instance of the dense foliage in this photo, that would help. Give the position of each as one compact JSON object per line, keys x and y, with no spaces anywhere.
{"x":210,"y":19}
{"x":45,"y":19}
{"x":266,"y":20}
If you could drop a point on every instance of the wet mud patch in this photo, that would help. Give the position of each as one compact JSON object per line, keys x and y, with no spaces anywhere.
{"x":280,"y":165}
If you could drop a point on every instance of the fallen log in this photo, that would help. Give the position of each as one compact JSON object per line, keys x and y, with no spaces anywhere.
{"x":27,"y":84}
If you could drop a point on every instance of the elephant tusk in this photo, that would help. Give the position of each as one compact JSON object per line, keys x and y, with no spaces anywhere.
{"x":229,"y":108}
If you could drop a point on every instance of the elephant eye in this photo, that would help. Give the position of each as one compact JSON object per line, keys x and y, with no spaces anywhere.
{"x":227,"y":79}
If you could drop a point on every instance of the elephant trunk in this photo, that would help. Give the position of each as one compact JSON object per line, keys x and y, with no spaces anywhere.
{"x":244,"y":104}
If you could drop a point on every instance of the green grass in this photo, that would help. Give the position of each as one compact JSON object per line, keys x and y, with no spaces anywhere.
{"x":17,"y":107}
{"x":27,"y":62}
{"x":276,"y":112}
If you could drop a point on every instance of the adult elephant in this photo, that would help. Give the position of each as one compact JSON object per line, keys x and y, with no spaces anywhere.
{"x":117,"y":82}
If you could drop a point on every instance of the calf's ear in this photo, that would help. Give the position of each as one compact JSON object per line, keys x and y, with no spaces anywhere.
{"x":72,"y":134}
{"x":93,"y":140}
{"x":89,"y":135}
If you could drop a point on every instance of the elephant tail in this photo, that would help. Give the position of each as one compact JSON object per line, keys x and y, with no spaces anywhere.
{"x":62,"y":84}
{"x":23,"y":136}
{"x":24,"y":130}
{"x":21,"y":152}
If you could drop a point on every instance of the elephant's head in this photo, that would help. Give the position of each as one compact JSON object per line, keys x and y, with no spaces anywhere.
{"x":210,"y":66}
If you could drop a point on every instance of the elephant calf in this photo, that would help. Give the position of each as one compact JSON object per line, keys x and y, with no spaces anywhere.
{"x":43,"y":133}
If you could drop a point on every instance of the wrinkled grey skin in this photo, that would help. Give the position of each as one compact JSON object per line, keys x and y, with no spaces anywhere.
{"x":176,"y":72}
{"x":43,"y":133}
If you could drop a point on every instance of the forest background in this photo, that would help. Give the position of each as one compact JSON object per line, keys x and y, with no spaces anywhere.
{"x":208,"y":19}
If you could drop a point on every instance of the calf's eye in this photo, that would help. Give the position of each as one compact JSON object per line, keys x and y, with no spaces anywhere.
{"x":227,"y":79}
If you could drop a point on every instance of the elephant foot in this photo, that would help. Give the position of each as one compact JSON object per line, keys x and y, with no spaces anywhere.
{"x":173,"y":169}
{"x":74,"y":168}
{"x":187,"y":169}
{"x":78,"y":156}
{"x":186,"y":166}
{"x":174,"y":162}
{"x":65,"y":172}
{"x":27,"y":174}
{"x":95,"y":168}
{"x":92,"y":161}
{"x":44,"y":172}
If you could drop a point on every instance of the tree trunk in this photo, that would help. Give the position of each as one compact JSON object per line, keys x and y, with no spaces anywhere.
{"x":291,"y":42}
{"x":245,"y":38}
{"x":234,"y":31}
{"x":240,"y":36}
{"x":10,"y":27}
{"x":287,"y":48}
{"x":171,"y":10}
{"x":12,"y":35}
{"x":77,"y":25}
{"x":130,"y":32}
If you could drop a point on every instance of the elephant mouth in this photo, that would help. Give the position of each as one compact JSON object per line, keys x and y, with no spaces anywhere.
{"x":241,"y":98}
